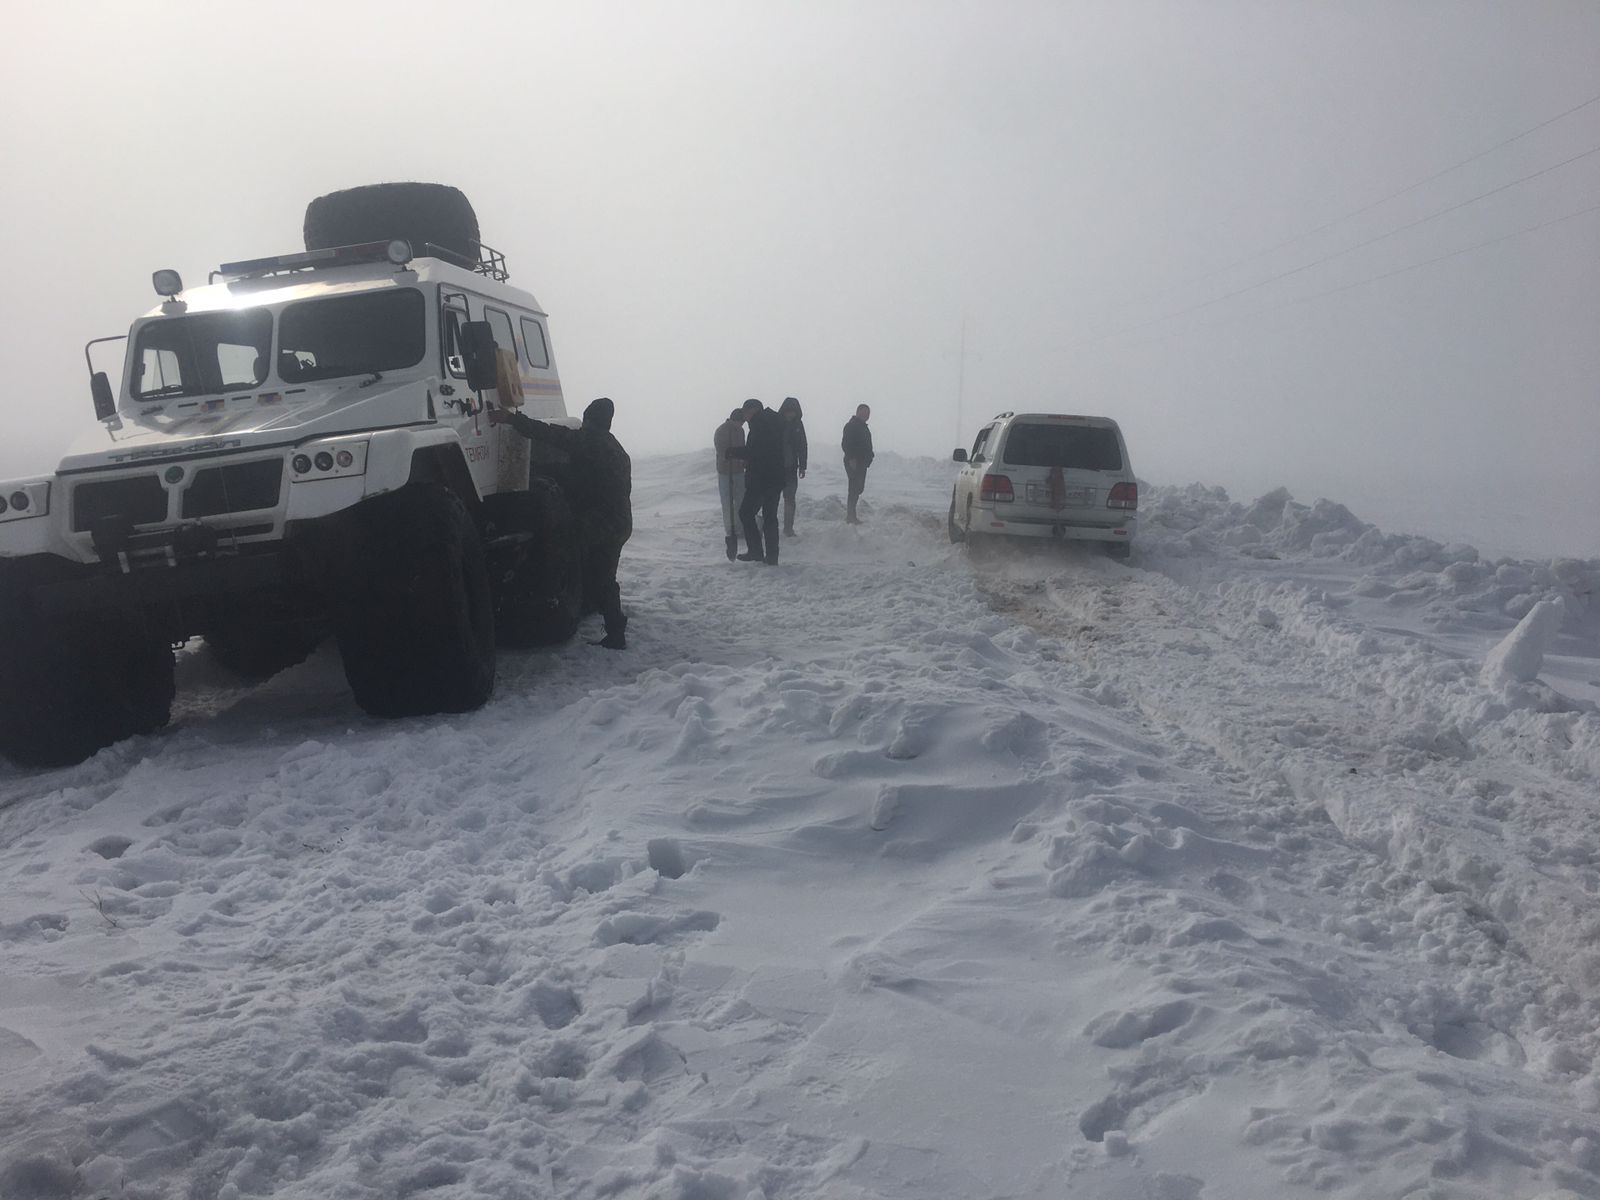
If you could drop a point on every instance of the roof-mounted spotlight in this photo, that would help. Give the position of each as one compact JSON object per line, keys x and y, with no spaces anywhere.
{"x":398,"y":251}
{"x":168,"y":283}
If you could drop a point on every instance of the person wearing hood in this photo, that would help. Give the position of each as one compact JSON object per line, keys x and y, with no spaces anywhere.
{"x":600,"y":489}
{"x":794,"y":457}
{"x":730,"y":476}
{"x":763,"y":482}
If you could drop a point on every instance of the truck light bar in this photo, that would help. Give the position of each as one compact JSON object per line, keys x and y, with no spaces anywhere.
{"x":397,"y":251}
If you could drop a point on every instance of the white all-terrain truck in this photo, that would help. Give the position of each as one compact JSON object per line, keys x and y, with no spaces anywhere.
{"x":300,"y":448}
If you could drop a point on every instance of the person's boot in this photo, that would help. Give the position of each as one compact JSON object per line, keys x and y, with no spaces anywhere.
{"x":616,"y":633}
{"x":733,"y":547}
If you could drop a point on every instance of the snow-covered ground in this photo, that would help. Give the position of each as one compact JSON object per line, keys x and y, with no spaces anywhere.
{"x":1262,"y":866}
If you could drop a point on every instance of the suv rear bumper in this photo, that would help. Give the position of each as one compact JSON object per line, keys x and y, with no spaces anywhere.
{"x":1078,"y":527}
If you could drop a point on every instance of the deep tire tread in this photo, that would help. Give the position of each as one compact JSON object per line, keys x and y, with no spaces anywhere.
{"x":539,"y":584}
{"x":70,"y":689}
{"x":417,"y":626}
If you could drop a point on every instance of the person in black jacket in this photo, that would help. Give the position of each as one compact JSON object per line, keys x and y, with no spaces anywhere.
{"x":857,"y":445}
{"x":794,"y":457}
{"x":600,"y":487}
{"x":763,"y":481}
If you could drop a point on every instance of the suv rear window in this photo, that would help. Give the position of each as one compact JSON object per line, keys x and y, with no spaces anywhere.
{"x":1076,"y":447}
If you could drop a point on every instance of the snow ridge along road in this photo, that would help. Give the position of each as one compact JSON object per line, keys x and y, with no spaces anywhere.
{"x":1231,"y":872}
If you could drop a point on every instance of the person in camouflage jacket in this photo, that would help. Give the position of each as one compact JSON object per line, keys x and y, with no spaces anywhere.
{"x":599,"y":483}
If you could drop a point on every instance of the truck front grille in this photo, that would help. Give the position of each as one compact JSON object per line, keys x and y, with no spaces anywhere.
{"x":138,"y":498}
{"x":236,"y":487}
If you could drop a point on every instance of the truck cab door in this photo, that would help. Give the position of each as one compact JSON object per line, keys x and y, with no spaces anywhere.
{"x":464,"y":408}
{"x":512,"y":450}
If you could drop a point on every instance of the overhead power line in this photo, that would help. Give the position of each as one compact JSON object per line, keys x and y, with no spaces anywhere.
{"x":1394,"y":195}
{"x":1204,"y":304}
{"x":1416,"y":266}
{"x":1410,"y":187}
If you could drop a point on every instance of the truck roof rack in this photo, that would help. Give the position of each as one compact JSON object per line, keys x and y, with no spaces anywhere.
{"x":489,"y":261}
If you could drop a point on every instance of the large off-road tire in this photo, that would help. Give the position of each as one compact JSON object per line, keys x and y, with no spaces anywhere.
{"x":957,"y":534}
{"x":416,"y":623}
{"x":71,"y":688}
{"x":419,"y":212}
{"x":538,"y":575}
{"x":257,"y":651}
{"x":1118,"y":550}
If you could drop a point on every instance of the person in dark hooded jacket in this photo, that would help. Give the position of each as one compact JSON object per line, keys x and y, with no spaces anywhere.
{"x":763,"y":482}
{"x":794,"y":457}
{"x":600,"y":488}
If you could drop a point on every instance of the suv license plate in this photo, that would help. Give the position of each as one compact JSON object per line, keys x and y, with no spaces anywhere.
{"x":1072,"y":497}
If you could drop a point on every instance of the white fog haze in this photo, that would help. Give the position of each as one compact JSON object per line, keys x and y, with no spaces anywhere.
{"x":1344,"y":248}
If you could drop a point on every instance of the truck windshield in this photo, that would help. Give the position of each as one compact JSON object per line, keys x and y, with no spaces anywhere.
{"x":202,"y":354}
{"x":366,"y":333}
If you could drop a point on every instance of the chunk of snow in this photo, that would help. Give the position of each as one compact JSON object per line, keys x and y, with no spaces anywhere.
{"x":1521,"y":654}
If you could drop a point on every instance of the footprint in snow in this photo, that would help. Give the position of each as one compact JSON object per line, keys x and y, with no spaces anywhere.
{"x":111,"y":847}
{"x":1120,"y":1030}
{"x":644,"y":929}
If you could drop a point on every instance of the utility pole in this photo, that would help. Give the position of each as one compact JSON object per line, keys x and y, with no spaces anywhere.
{"x":961,"y":384}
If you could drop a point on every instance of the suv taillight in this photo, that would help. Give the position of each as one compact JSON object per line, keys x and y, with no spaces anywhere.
{"x":996,"y":487}
{"x":1123,"y":495}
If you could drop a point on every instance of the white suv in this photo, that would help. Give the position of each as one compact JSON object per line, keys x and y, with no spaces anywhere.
{"x":1045,"y":475}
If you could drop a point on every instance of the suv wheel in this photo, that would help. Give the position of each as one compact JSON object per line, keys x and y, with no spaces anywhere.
{"x":417,"y":628}
{"x":957,"y":534}
{"x":977,"y":543}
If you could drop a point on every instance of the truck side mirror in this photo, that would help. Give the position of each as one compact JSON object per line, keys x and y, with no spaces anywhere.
{"x":959,"y":456}
{"x":105,"y":404}
{"x":477,"y":351}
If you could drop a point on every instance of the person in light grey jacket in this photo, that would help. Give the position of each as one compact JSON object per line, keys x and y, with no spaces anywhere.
{"x":730,"y":476}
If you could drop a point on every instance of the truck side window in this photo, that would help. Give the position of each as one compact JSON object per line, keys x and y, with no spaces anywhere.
{"x":979,"y":444}
{"x":240,"y":366}
{"x":533,"y":340}
{"x":158,"y":372}
{"x":500,"y":322}
{"x":454,"y":319}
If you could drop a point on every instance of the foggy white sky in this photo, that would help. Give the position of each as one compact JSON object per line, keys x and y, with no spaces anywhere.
{"x":715,"y":201}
